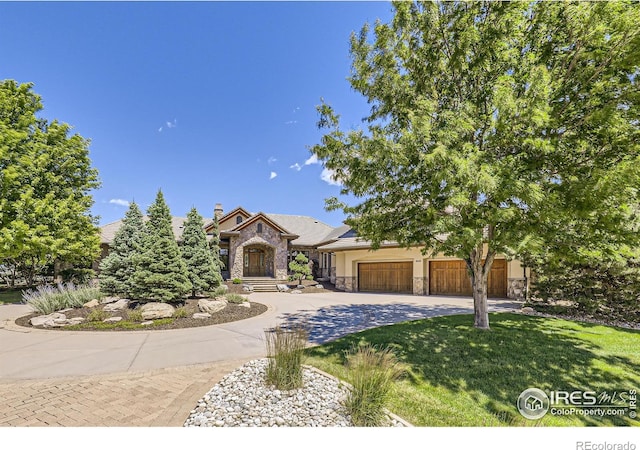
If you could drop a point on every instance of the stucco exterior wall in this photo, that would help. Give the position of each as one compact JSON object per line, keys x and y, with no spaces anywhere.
{"x":346,"y":268}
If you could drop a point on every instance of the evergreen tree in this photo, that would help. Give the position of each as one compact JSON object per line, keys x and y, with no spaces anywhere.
{"x":201,"y":270}
{"x":300,"y":267}
{"x":214,"y":245}
{"x":117,"y":268}
{"x":161,"y":273}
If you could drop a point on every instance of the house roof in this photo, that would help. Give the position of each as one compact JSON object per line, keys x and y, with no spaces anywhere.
{"x":108,"y":231}
{"x":311,"y":231}
{"x":354,"y":243}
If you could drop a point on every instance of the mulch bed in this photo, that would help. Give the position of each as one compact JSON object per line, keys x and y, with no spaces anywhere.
{"x":230,"y":313}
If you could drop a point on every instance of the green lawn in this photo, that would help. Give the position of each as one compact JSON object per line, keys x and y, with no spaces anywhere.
{"x":10,"y":296}
{"x":460,"y":376}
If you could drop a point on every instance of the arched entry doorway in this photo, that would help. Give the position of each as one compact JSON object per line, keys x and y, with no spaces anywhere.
{"x":254,"y":262}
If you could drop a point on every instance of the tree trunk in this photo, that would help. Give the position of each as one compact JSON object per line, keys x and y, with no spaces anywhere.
{"x":479,"y":274}
{"x":480,"y":307}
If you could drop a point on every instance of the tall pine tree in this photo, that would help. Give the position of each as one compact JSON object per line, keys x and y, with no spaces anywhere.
{"x":214,"y":245}
{"x":202,"y":272}
{"x":161,"y":273}
{"x":117,"y":268}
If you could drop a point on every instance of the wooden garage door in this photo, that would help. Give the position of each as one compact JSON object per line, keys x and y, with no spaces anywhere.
{"x":386,"y":277}
{"x":452,"y":278}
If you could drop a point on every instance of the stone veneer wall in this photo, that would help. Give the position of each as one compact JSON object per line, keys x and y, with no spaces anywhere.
{"x":270,"y":238}
{"x":418,"y":285}
{"x":516,"y":288}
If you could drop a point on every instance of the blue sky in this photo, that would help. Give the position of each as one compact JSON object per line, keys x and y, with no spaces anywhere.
{"x":213,"y":102}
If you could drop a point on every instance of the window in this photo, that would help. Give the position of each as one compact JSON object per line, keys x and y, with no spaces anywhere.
{"x":224,"y":258}
{"x":259,"y":228}
{"x":238,"y":220}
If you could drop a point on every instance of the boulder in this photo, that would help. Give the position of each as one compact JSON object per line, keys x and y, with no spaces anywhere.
{"x":202,"y":316}
{"x":282,"y":287}
{"x":148,"y":322}
{"x":319,"y":286}
{"x":245,"y":304}
{"x":211,"y":306}
{"x":157,"y":310}
{"x":76,"y":320}
{"x":91,"y":304}
{"x":113,"y":319}
{"x":295,"y":291}
{"x":247,"y":288}
{"x":528,"y":310}
{"x":40,"y":321}
{"x":299,"y":286}
{"x":117,"y":306}
{"x":106,"y":300}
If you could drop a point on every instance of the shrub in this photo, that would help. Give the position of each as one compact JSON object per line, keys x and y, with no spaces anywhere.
{"x":80,"y":276}
{"x":47,"y":299}
{"x":218,"y":292}
{"x":300,"y":267}
{"x":237,"y":281}
{"x":135,"y":315}
{"x":180,"y":313}
{"x":235,"y":299}
{"x":285,"y":350}
{"x":371,"y":374}
{"x":97,"y":315}
{"x":309,"y":277}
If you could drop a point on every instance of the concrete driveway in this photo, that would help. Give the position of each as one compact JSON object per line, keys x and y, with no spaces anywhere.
{"x":89,"y":370}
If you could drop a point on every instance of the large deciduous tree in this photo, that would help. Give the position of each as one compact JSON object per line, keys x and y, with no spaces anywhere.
{"x":201,"y":270}
{"x":117,"y":268}
{"x":493,"y":125}
{"x":161,"y":273}
{"x":45,"y":180}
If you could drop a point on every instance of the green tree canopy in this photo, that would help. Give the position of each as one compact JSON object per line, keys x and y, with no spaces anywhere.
{"x":214,"y":245}
{"x":45,"y":180}
{"x":161,"y":273}
{"x":492,"y":126}
{"x":201,"y":270}
{"x":117,"y":268}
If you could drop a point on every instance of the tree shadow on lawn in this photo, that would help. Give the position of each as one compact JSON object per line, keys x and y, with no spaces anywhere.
{"x":518,"y":353}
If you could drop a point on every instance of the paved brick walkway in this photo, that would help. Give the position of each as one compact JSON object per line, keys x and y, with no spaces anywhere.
{"x":161,"y":397}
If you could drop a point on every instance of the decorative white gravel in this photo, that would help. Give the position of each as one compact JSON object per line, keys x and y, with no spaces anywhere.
{"x":243,"y":399}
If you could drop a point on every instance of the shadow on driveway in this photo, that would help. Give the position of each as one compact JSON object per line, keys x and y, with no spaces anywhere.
{"x":332,"y":322}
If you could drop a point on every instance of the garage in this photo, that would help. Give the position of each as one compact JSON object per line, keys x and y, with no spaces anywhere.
{"x":394,"y":277}
{"x":451,"y":278}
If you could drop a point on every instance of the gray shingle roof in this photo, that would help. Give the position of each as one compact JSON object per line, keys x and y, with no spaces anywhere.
{"x":108,"y":231}
{"x":352,"y":243}
{"x":310,"y":230}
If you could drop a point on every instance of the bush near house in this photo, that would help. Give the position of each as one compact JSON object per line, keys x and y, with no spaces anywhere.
{"x":300,"y":267}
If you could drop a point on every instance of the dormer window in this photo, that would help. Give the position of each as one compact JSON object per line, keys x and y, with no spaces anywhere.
{"x":238,"y":220}
{"x":259,"y":228}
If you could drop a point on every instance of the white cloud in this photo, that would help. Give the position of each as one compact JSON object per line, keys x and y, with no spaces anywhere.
{"x":160,"y":130}
{"x":273,"y":175}
{"x":271,"y":160}
{"x":296,"y":166}
{"x":328,"y":176}
{"x":119,"y":201}
{"x":172,"y":124}
{"x":296,"y":109}
{"x":312,"y":160}
{"x":290,"y":122}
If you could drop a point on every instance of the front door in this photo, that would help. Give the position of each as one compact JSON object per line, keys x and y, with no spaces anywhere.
{"x":254,"y":263}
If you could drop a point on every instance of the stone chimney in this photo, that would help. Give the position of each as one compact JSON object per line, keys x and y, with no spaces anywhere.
{"x":217,"y":211}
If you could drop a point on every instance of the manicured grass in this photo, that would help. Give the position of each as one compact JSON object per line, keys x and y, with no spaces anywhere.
{"x":460,"y":376}
{"x":8,"y":296}
{"x":122,"y":325}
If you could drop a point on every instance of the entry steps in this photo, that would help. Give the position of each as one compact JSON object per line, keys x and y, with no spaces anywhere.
{"x":261,"y":284}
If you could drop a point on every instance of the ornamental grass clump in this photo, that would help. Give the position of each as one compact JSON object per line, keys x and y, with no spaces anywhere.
{"x":371,"y":373}
{"x":285,"y":350}
{"x":47,"y":299}
{"x":235,"y":299}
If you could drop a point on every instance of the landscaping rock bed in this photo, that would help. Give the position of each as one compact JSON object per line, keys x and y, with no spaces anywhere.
{"x":230,"y":313}
{"x":242,"y":399}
